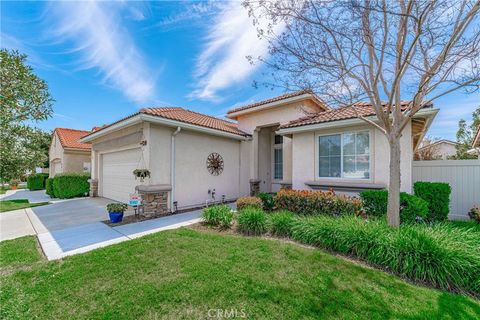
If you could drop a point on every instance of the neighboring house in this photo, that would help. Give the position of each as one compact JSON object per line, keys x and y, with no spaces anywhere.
{"x":440,"y":149}
{"x":67,"y":153}
{"x":476,"y":144}
{"x":293,"y":140}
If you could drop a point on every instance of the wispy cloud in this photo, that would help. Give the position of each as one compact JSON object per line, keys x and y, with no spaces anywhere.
{"x":223,"y":63}
{"x":96,"y":33}
{"x":190,"y":12}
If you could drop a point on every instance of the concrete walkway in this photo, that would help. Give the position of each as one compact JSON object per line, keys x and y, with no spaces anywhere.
{"x":15,"y":224}
{"x":31,"y":196}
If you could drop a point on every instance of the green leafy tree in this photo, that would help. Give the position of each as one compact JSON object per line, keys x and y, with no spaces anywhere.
{"x":465,"y":134}
{"x":25,"y":100}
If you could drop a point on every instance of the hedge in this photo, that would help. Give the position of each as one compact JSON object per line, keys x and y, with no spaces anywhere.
{"x":411,"y":207}
{"x":317,"y":202}
{"x":70,"y":185}
{"x":36,"y":181}
{"x":49,"y":187}
{"x":443,"y":256}
{"x":437,"y":195}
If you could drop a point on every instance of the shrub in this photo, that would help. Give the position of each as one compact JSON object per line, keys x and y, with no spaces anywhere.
{"x":281,"y":222}
{"x":219,"y":215}
{"x":268,"y":200}
{"x":49,"y":187}
{"x":317,"y":202}
{"x":375,"y":202}
{"x":244,"y":202}
{"x":411,"y":207}
{"x":474,"y":214}
{"x":70,"y":185}
{"x":36,"y":181}
{"x":437,"y":195}
{"x":443,"y":255}
{"x":117,"y":207}
{"x":252,"y":221}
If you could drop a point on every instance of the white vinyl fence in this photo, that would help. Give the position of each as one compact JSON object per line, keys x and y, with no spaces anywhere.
{"x":462,"y":175}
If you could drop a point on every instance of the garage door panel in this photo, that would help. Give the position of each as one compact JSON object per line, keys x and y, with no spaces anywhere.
{"x":118,"y":181}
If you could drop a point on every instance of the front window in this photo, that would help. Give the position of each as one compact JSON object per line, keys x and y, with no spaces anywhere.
{"x":278,"y":158}
{"x":345,"y":155}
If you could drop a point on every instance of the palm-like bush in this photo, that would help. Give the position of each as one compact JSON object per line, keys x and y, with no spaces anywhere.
{"x":252,"y":221}
{"x":442,"y":255}
{"x":281,"y":222}
{"x":218,"y":216}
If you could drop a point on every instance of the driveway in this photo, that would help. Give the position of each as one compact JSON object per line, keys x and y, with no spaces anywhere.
{"x":70,"y":213}
{"x":31,"y":196}
{"x":67,"y":227}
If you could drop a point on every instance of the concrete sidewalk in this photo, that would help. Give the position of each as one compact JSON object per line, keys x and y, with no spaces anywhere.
{"x":15,"y":224}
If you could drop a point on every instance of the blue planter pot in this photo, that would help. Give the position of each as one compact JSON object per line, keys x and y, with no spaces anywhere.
{"x":115,"y":216}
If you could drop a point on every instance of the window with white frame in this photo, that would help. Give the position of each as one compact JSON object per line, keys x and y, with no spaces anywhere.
{"x":278,"y":158}
{"x":345,"y":155}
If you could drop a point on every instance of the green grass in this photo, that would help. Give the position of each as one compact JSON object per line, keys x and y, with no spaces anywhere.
{"x":9,"y":205}
{"x":21,"y":251}
{"x":181,"y":274}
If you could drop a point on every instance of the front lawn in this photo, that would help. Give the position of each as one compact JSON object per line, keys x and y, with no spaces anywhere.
{"x":185,"y":273}
{"x":9,"y":205}
{"x":19,"y":252}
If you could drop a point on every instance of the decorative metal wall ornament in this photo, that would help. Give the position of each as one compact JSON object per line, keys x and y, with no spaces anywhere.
{"x":214,"y":164}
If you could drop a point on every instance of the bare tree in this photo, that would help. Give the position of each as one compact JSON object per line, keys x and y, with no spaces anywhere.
{"x":380,"y":51}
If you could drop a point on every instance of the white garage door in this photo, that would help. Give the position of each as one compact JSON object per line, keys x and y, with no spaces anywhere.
{"x":118,"y":181}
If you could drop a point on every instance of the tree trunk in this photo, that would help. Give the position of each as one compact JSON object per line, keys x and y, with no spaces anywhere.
{"x":393,"y":210}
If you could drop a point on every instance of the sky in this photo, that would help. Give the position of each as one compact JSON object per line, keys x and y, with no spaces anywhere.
{"x":106,"y":60}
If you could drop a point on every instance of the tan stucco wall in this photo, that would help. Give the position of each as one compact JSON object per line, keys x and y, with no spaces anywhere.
{"x":305,"y":157}
{"x":279,"y":115}
{"x":191,"y":175}
{"x":55,"y":155}
{"x":160,"y":144}
{"x":73,"y":161}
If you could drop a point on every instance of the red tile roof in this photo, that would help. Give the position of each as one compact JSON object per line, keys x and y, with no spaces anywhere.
{"x":343,"y":113}
{"x":70,"y":138}
{"x":275,"y":99}
{"x":188,"y":116}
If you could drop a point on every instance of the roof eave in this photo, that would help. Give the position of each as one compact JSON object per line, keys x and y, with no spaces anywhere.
{"x":235,"y":114}
{"x":163,"y":121}
{"x":348,"y":122}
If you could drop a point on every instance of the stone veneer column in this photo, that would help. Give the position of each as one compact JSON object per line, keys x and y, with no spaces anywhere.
{"x":254,"y":187}
{"x":93,"y":188}
{"x":155,"y":199}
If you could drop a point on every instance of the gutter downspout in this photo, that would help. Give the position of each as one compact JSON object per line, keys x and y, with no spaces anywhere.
{"x":172,"y":166}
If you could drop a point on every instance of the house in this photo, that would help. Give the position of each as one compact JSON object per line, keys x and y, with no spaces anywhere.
{"x":436,"y":150}
{"x":291,"y":141}
{"x":67,"y":153}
